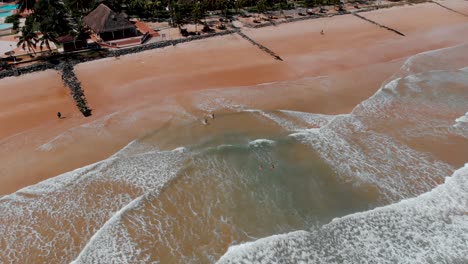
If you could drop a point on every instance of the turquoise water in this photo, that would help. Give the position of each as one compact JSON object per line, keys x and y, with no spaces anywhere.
{"x":5,"y":26}
{"x":9,"y":7}
{"x":5,"y":14}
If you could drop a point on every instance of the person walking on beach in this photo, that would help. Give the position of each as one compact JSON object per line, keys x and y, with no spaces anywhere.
{"x":212,"y":116}
{"x":59,"y":115}
{"x":322,"y":33}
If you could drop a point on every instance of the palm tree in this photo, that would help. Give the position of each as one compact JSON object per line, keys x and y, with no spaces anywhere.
{"x":79,"y":32}
{"x":176,"y":15}
{"x":28,"y":40}
{"x":197,"y":14}
{"x":46,"y":39}
{"x":261,"y":6}
{"x":224,"y":6}
{"x":51,"y":18}
{"x":80,"y":6}
{"x":26,"y":4}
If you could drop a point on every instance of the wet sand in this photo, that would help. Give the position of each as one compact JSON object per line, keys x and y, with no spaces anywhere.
{"x":136,"y":94}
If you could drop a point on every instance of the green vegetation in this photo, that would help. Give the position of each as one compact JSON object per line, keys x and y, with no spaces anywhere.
{"x":28,"y":40}
{"x":13,"y":19}
{"x":3,"y":64}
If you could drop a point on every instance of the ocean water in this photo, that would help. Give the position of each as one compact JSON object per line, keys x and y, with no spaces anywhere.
{"x":385,"y":183}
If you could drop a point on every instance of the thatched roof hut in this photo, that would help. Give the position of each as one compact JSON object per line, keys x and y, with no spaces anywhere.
{"x":108,"y":24}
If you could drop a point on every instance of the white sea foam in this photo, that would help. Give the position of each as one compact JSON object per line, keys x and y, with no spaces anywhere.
{"x":67,"y":210}
{"x":462,"y":119}
{"x":372,"y":142}
{"x":261,"y":142}
{"x":461,"y":126}
{"x":281,"y":121}
{"x":98,"y":235}
{"x":171,"y":224}
{"x":354,"y":151}
{"x":431,"y":228}
{"x":316,"y":120}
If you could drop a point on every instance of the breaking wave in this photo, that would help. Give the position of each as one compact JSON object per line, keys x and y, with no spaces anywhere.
{"x":431,"y":228}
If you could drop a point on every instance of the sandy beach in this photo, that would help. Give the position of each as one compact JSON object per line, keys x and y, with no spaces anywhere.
{"x":137,"y":94}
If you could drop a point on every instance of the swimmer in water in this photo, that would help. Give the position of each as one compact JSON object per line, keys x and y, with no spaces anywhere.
{"x":260,"y":167}
{"x":272,"y":166}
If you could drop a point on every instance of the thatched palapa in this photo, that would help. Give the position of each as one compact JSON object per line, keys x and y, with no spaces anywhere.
{"x":109,"y":25}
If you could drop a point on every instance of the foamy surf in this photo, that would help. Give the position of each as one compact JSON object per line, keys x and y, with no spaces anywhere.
{"x":462,"y":120}
{"x":369,"y":144}
{"x":431,"y":228}
{"x":206,"y":205}
{"x":75,"y":205}
{"x":461,"y":126}
{"x":261,"y":142}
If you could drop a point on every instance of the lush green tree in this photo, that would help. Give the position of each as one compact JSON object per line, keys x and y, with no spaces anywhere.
{"x":224,"y":6}
{"x":262,"y":6}
{"x":310,"y":3}
{"x":176,"y":11}
{"x":79,"y":30}
{"x":79,"y":7}
{"x":13,"y":19}
{"x":238,"y":4}
{"x":52,"y":18}
{"x":197,"y":13}
{"x":171,"y":7}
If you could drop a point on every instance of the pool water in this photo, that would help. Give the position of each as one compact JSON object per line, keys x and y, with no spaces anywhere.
{"x":5,"y":26}
{"x":5,"y":14}
{"x":9,"y":7}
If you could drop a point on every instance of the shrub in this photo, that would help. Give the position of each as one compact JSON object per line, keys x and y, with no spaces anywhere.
{"x":184,"y":32}
{"x":13,"y":19}
{"x":3,"y":64}
{"x":207,"y":28}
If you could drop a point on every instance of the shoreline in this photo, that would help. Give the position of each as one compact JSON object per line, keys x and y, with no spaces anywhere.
{"x":134,"y":95}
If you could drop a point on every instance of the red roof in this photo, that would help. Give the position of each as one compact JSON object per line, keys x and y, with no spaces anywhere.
{"x":66,"y":38}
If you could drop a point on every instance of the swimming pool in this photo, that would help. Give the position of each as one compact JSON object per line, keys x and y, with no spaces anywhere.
{"x":5,"y":14}
{"x":9,"y":7}
{"x":6,"y":26}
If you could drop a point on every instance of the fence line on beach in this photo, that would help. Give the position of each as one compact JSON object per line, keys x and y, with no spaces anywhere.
{"x":448,"y":8}
{"x":260,"y":46}
{"x":380,"y":25}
